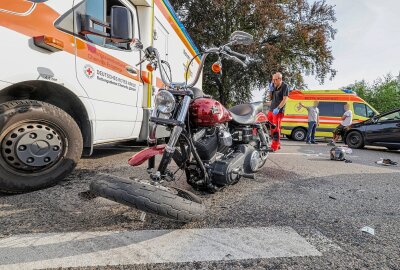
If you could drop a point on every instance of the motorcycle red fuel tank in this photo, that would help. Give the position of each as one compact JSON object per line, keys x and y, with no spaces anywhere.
{"x":208,"y":112}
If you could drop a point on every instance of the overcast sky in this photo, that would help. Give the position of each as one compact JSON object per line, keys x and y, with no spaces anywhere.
{"x":367,"y":45}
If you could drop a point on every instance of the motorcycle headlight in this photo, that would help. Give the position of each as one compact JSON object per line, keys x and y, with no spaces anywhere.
{"x":165,"y":102}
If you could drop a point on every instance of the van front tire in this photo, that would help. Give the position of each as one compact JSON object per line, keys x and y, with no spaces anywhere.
{"x":40,"y":144}
{"x":299,"y":134}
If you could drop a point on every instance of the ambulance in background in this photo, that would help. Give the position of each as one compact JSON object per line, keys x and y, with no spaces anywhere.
{"x":331,"y":107}
{"x":69,"y":80}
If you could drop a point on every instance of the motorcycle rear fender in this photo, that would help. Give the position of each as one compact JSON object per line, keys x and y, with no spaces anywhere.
{"x":146,"y":154}
{"x":261,"y":118}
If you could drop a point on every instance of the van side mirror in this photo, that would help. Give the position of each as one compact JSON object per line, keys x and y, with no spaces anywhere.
{"x":121,"y":25}
{"x":118,"y":31}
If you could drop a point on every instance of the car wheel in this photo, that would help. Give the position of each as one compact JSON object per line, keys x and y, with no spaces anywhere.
{"x":355,"y":140}
{"x":289,"y":137}
{"x":299,"y":134}
{"x":40,"y":144}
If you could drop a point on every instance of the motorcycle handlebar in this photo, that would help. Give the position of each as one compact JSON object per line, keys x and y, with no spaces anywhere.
{"x":237,"y":60}
{"x":236,"y":54}
{"x":233,"y":55}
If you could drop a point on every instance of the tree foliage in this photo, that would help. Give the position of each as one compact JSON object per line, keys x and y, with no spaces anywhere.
{"x":383,"y":94}
{"x":291,"y":36}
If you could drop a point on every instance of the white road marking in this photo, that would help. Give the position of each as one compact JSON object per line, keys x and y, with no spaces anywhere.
{"x":144,"y":247}
{"x":309,"y":155}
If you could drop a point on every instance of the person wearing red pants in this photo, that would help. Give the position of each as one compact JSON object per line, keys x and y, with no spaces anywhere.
{"x":278,"y":96}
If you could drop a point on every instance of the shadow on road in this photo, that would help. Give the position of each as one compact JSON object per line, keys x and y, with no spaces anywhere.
{"x":103,"y":152}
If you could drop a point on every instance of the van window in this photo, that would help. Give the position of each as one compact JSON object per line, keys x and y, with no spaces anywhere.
{"x":335,"y":109}
{"x":370,"y":112}
{"x":101,"y":10}
{"x":363,"y":110}
{"x":96,"y":9}
{"x":360,"y":109}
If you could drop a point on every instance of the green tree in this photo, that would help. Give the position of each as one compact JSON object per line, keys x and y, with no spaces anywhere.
{"x":383,"y":94}
{"x":291,"y":36}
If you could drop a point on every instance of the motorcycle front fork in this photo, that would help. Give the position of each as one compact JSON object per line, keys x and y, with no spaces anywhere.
{"x":262,"y":134}
{"x":175,"y":134}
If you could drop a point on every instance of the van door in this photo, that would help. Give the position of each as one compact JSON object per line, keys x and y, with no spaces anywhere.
{"x":107,"y":72}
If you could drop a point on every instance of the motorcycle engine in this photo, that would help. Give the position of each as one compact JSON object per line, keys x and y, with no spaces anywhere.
{"x":227,"y":170}
{"x":212,"y":142}
{"x":206,"y":143}
{"x":225,"y":161}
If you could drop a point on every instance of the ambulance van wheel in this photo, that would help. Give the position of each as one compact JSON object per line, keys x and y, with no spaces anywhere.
{"x":40,"y":144}
{"x":299,"y":134}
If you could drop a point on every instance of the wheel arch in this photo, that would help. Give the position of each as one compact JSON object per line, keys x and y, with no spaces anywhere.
{"x":59,"y":96}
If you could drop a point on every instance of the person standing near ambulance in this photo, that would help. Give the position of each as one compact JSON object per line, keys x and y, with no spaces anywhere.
{"x":278,"y":96}
{"x":347,"y":120}
{"x":313,"y":121}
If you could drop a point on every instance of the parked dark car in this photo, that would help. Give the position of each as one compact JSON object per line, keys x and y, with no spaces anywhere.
{"x":381,"y":130}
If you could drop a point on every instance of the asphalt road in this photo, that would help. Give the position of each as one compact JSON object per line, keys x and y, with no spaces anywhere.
{"x":319,"y":203}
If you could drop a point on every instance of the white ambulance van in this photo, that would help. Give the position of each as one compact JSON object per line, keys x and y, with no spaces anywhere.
{"x":69,"y":80}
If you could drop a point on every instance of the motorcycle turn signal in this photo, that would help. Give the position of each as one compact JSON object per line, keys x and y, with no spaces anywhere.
{"x":217,"y":67}
{"x":150,"y":67}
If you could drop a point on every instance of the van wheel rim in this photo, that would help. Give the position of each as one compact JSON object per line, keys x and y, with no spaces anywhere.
{"x":32,"y":147}
{"x":299,"y":135}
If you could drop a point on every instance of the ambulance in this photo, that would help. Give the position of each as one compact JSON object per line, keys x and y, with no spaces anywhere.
{"x":331,"y":106}
{"x":71,"y":79}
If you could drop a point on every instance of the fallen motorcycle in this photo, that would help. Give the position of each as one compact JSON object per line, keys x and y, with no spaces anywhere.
{"x":213,"y":146}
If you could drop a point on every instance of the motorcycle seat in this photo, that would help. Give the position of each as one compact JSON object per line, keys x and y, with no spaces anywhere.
{"x":245,"y":114}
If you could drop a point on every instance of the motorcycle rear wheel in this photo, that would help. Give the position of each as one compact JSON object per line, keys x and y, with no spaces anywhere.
{"x":172,"y":203}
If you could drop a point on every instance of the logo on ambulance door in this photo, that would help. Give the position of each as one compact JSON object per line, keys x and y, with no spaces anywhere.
{"x":89,"y":71}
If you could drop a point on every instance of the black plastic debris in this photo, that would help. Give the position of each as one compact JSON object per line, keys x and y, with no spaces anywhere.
{"x":386,"y":162}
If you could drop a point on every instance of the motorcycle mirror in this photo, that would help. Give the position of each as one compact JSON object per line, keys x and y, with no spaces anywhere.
{"x":136,"y":45}
{"x":241,"y":38}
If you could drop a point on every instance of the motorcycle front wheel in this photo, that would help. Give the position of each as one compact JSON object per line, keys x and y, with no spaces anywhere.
{"x":172,"y":203}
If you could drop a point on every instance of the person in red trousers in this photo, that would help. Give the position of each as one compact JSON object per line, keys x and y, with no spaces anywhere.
{"x":278,"y":96}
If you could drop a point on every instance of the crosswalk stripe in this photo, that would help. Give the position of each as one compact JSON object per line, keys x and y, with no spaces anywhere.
{"x":80,"y":249}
